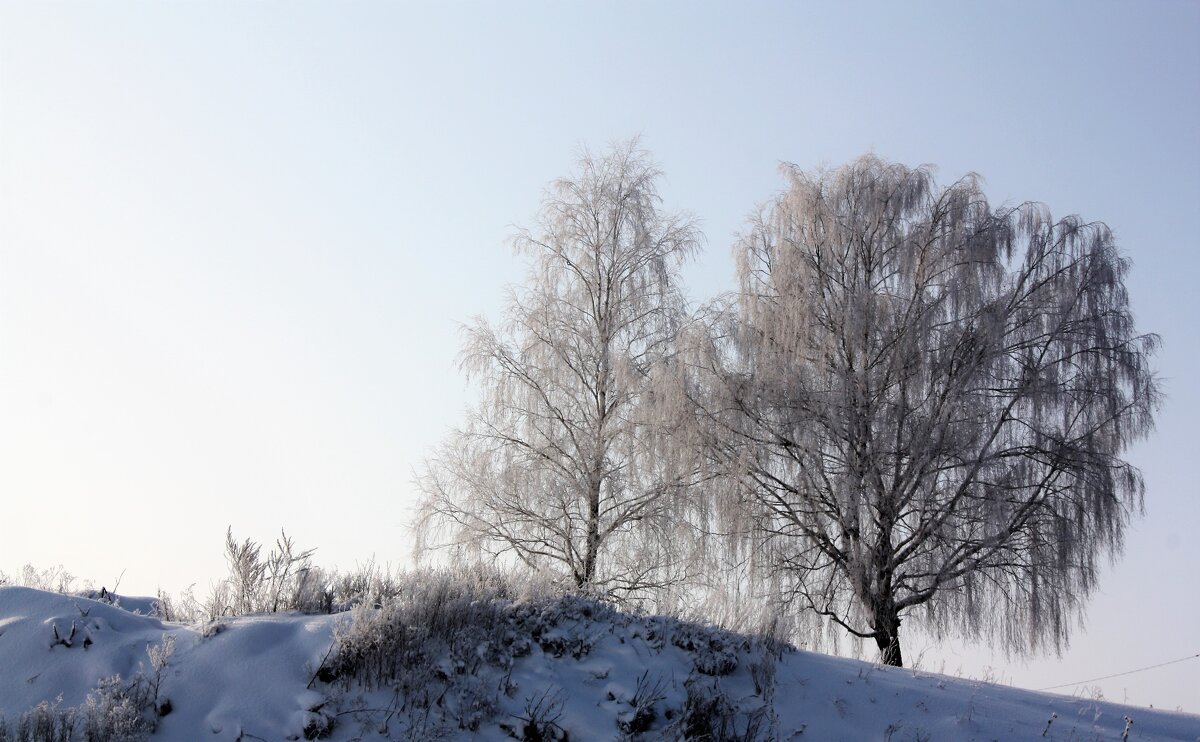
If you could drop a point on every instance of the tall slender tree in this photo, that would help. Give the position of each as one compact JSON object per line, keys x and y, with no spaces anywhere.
{"x":926,"y":402}
{"x":563,"y":463}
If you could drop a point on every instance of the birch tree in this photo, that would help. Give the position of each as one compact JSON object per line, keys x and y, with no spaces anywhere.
{"x":563,"y":464}
{"x":926,"y":402}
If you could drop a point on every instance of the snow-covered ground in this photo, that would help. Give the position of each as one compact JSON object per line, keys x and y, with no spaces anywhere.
{"x":546,"y":668}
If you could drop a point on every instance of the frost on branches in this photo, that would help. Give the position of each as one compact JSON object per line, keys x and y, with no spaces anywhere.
{"x":925,"y":402}
{"x":564,"y":463}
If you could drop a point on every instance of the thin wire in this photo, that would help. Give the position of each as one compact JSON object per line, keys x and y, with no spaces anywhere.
{"x":1127,"y":672}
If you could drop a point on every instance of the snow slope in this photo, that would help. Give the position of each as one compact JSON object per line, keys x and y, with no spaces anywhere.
{"x":560,"y":668}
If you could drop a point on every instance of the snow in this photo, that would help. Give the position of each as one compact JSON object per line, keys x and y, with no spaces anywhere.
{"x":577,"y":662}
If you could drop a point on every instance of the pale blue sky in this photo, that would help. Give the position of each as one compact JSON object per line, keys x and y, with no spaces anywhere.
{"x":236,"y":240}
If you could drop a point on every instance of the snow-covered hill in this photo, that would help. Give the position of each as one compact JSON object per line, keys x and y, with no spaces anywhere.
{"x":454,"y":665}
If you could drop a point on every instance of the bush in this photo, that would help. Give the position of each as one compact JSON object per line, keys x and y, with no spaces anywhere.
{"x":46,"y":722}
{"x":432,"y":612}
{"x":709,"y":715}
{"x":280,"y":581}
{"x":443,"y":642}
{"x":115,"y":711}
{"x":119,"y":711}
{"x":285,"y":579}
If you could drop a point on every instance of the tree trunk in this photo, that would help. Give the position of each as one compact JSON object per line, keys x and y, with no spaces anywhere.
{"x":887,"y":638}
{"x":592,"y":545}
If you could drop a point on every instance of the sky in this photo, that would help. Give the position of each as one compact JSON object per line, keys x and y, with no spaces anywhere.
{"x":237,"y":241}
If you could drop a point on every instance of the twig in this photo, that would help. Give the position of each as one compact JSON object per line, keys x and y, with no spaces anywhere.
{"x":321,"y":666}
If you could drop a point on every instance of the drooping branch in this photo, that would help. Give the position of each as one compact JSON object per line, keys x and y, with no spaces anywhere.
{"x":926,"y":401}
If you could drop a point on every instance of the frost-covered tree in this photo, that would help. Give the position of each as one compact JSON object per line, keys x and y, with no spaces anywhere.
{"x":926,"y":402}
{"x":563,"y":463}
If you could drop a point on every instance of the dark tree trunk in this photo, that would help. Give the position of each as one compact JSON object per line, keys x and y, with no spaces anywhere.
{"x":887,"y":638}
{"x":592,"y":546}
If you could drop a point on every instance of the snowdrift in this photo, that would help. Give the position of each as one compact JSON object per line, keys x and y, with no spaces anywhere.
{"x":449,"y":663}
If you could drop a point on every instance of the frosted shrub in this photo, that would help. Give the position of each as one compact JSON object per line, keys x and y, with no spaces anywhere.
{"x":54,"y":579}
{"x":268,"y":584}
{"x":285,"y":579}
{"x":116,"y":711}
{"x":159,"y":658}
{"x":444,"y":644}
{"x":218,"y":603}
{"x":46,"y":722}
{"x":282,"y":580}
{"x":368,"y":584}
{"x":184,"y":609}
{"x":433,"y":611}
